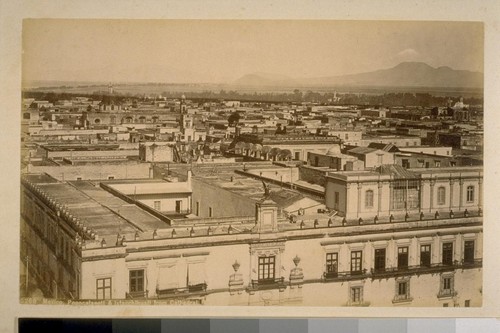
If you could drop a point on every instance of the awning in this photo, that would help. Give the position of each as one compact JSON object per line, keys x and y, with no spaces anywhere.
{"x":196,"y":273}
{"x":172,"y":276}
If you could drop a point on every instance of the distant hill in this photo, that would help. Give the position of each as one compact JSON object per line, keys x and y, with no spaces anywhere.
{"x":406,"y":74}
{"x":264,"y":79}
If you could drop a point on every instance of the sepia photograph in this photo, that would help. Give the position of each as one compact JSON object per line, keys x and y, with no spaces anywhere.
{"x":295,"y":163}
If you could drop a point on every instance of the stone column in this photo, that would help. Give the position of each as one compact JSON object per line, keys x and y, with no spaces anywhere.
{"x":379,"y":205}
{"x":358,"y":208}
{"x":480,"y":192}
{"x":431,"y":203}
{"x":391,"y":184}
{"x":452,"y":184}
{"x":435,"y":250}
{"x":461,"y":198}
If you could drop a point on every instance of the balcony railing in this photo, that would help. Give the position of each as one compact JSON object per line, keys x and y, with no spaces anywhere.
{"x":195,"y":288}
{"x":266,"y":284}
{"x":387,"y":272}
{"x":347,"y":275}
{"x":188,"y":291}
{"x":424,"y":269}
{"x":402,"y":299}
{"x":331,"y":275}
{"x":137,"y":294}
{"x":447,"y":293}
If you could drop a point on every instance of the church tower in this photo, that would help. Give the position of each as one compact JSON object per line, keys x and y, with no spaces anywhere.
{"x":186,"y":122}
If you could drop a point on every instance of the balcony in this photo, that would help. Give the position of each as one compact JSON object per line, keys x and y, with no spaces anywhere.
{"x":137,"y":295}
{"x":331,"y":275}
{"x":197,"y":288}
{"x":402,"y":299}
{"x":446,"y":293}
{"x":189,"y":291}
{"x":345,"y":276}
{"x":267,"y":284}
{"x":424,"y":269}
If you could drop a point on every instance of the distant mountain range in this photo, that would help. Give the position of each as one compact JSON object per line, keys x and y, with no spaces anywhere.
{"x":406,"y":74}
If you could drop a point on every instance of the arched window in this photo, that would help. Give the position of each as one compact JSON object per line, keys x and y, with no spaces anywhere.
{"x":470,"y":193}
{"x":369,"y":199}
{"x":441,"y":196}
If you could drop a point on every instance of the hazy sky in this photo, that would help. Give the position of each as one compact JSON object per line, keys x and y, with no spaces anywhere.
{"x":214,"y":51}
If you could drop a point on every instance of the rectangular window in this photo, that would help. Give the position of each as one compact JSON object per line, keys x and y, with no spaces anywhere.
{"x":467,"y":303}
{"x":405,"y":194}
{"x":402,"y":290}
{"x":425,"y":255}
{"x":446,"y":283}
{"x":447,"y":286}
{"x":369,"y":199}
{"x":136,"y":281}
{"x":441,"y":196}
{"x":356,"y":295}
{"x":469,"y":252}
{"x":356,"y":262}
{"x":402,"y":257}
{"x":402,"y":286}
{"x":332,"y":265}
{"x":470,"y":193}
{"x":405,"y":163}
{"x":178,"y":206}
{"x":379,"y":259}
{"x":197,"y":208}
{"x":266,"y":269}
{"x":103,"y":288}
{"x":210,"y":212}
{"x":447,"y":258}
{"x":157,"y":205}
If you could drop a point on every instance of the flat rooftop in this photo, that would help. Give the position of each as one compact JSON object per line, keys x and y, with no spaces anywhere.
{"x":245,"y":186}
{"x":97,"y":209}
{"x":139,"y":187}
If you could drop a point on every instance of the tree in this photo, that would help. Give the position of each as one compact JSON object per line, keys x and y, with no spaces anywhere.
{"x":234,"y":118}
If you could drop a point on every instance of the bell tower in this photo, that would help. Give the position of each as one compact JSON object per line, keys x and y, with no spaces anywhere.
{"x":186,"y":122}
